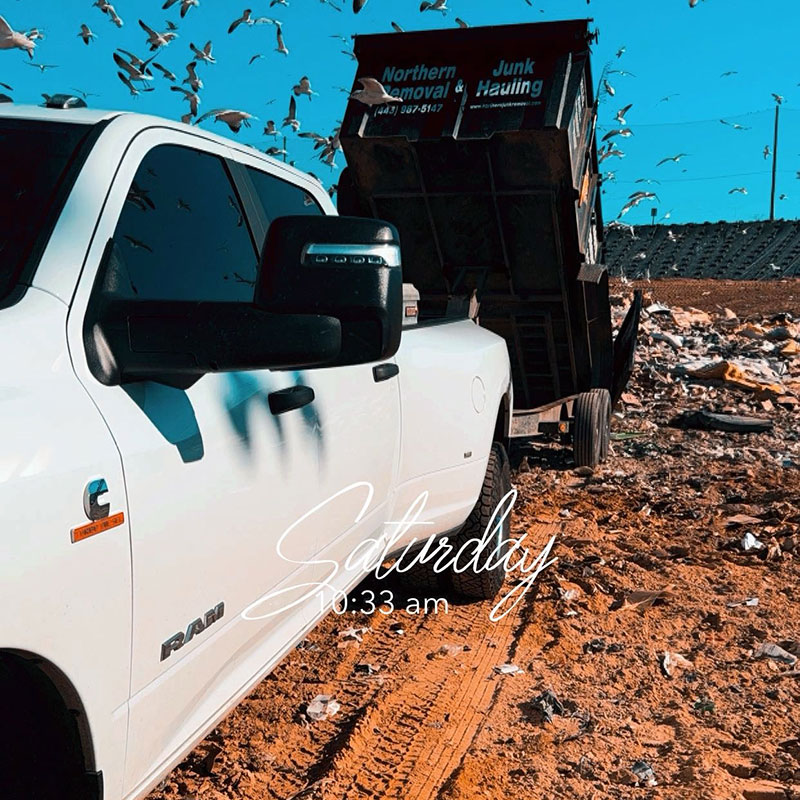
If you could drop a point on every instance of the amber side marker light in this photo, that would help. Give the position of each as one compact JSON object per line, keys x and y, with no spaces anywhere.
{"x":99,"y":526}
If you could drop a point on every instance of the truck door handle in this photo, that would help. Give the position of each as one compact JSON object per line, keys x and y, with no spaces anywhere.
{"x":383,"y":372}
{"x":289,"y":399}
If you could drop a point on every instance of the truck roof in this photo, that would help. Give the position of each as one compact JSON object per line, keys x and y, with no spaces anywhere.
{"x":131,"y":123}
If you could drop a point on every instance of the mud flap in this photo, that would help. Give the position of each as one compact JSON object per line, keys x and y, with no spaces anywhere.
{"x":625,"y":347}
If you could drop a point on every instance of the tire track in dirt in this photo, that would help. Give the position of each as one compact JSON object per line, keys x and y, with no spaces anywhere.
{"x":415,"y":730}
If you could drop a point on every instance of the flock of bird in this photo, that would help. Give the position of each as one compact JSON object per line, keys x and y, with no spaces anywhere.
{"x":610,"y":149}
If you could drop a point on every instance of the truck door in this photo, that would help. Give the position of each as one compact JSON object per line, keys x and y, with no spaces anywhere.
{"x":213,"y":477}
{"x":356,"y":413}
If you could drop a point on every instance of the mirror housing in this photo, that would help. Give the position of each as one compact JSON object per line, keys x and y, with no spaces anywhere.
{"x":343,"y":267}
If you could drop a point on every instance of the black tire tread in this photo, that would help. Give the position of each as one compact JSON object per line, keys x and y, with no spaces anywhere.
{"x":592,"y":415}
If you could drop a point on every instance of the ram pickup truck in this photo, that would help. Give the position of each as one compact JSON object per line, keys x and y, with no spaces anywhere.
{"x":209,"y":402}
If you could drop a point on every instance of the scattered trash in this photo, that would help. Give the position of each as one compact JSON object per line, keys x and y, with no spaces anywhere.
{"x":549,"y":705}
{"x":323,"y":706}
{"x":737,"y":376}
{"x":644,"y":599}
{"x":669,"y":662}
{"x":365,"y":669}
{"x":751,"y":601}
{"x":644,"y":773}
{"x":729,"y":423}
{"x":675,"y":342}
{"x":742,"y":519}
{"x":776,"y":652}
{"x":398,"y":628}
{"x":749,"y":543}
{"x":353,"y":634}
{"x":508,"y":669}
{"x":449,"y":650}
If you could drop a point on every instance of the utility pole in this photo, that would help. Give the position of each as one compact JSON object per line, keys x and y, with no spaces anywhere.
{"x":774,"y":164}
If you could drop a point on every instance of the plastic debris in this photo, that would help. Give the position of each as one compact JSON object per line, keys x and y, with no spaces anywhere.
{"x":548,"y":704}
{"x":729,"y":423}
{"x":323,"y":706}
{"x":644,"y":773}
{"x":669,"y":662}
{"x":644,"y":599}
{"x":508,"y":669}
{"x":776,"y":652}
{"x":749,"y":543}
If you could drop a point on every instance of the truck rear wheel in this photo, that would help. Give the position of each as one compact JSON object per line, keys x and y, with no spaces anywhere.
{"x":592,"y":413}
{"x":483,"y":583}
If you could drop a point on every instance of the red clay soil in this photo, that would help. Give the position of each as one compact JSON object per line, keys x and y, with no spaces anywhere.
{"x":431,"y":717}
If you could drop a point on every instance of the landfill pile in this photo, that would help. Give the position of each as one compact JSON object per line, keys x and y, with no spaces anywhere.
{"x":657,"y":658}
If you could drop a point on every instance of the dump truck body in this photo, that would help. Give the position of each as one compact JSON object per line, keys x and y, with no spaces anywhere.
{"x":487,"y":165}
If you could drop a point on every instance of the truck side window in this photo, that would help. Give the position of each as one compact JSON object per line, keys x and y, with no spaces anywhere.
{"x":280,"y":198}
{"x":182,"y":234}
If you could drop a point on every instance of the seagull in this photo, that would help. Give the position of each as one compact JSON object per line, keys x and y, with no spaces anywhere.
{"x":778,"y":98}
{"x":625,"y":132}
{"x":623,"y":72}
{"x":281,"y":48}
{"x":609,"y":153}
{"x":231,"y":117}
{"x":350,"y":53}
{"x":610,"y":90}
{"x":170,"y":76}
{"x":34,"y":33}
{"x":192,"y":97}
{"x":634,"y":201}
{"x":136,"y":68}
{"x":676,"y":159}
{"x":738,"y":190}
{"x":185,"y":5}
{"x":171,"y":26}
{"x":42,"y":67}
{"x":84,"y":95}
{"x":291,"y":117}
{"x":358,"y":5}
{"x":133,"y":90}
{"x":435,"y":5}
{"x":331,"y":4}
{"x":86,"y":34}
{"x":460,"y":22}
{"x":254,"y":58}
{"x":278,"y":3}
{"x":668,"y":97}
{"x":735,"y":125}
{"x":204,"y":54}
{"x":729,"y":73}
{"x":136,"y":244}
{"x":373,"y":93}
{"x":396,"y":28}
{"x":767,"y":152}
{"x":303,"y":87}
{"x":10,"y":39}
{"x":270,"y":129}
{"x":647,"y":180}
{"x":109,"y":10}
{"x":191,"y":77}
{"x":247,"y":19}
{"x":620,"y":116}
{"x":155,"y":39}
{"x":275,"y":151}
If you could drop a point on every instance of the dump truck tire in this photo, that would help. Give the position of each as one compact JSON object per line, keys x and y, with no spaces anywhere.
{"x":591,"y":436}
{"x":482,"y":583}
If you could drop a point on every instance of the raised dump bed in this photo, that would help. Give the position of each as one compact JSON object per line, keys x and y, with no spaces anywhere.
{"x":488,"y":168}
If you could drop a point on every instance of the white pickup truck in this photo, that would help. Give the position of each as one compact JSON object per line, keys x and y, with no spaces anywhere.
{"x":208,"y":397}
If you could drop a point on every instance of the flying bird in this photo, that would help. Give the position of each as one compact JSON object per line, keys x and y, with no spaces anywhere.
{"x":303,"y":87}
{"x":611,"y":152}
{"x":778,"y":98}
{"x":676,"y":159}
{"x":738,"y":190}
{"x":11,"y":39}
{"x":373,"y":93}
{"x":625,"y":132}
{"x":396,"y":28}
{"x":185,"y":5}
{"x":735,"y":125}
{"x":609,"y":89}
{"x":729,"y":73}
{"x":291,"y":117}
{"x":247,"y":19}
{"x":358,"y":5}
{"x":275,"y":151}
{"x":434,"y":5}
{"x":231,"y":117}
{"x":270,"y":129}
{"x":461,"y":24}
{"x":281,"y":48}
{"x":254,"y":58}
{"x":620,"y":115}
{"x":192,"y":77}
{"x":42,"y":67}
{"x":136,"y":68}
{"x":204,"y":54}
{"x":767,"y":152}
{"x":109,"y":11}
{"x":192,"y":97}
{"x":170,"y":76}
{"x":155,"y":39}
{"x":133,"y":90}
{"x":86,"y":34}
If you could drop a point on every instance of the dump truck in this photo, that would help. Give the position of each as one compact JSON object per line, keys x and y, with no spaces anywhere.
{"x":483,"y":155}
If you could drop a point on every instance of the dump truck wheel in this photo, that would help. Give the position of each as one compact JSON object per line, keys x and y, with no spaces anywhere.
{"x":592,"y":414}
{"x":484,"y":583}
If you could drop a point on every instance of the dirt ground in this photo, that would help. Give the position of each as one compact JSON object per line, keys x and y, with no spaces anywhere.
{"x":665,"y":696}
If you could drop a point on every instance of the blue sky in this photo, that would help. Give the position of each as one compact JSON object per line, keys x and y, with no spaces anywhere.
{"x":671,"y":50}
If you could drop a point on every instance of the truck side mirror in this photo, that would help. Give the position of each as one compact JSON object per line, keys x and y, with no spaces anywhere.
{"x":342,"y":267}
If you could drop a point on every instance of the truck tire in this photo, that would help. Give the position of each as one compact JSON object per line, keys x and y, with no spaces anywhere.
{"x":484,"y":584}
{"x":592,"y":415}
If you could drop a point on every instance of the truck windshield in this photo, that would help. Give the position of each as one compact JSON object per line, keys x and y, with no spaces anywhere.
{"x":38,"y":160}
